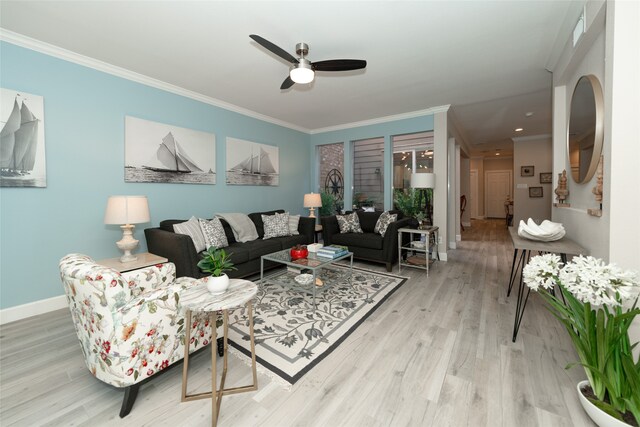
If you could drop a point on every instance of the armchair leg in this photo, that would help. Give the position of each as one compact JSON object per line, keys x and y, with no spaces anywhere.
{"x":220,"y":343}
{"x":130,"y":394}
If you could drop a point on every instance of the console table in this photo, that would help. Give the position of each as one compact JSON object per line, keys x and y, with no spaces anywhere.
{"x":562,"y":247}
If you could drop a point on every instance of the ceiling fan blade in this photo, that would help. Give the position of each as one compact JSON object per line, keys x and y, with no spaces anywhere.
{"x":339,"y":65}
{"x":287,"y":83}
{"x":273,"y":48}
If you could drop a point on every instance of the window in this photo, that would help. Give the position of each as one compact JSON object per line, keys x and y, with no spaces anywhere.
{"x":331,"y":177}
{"x":368,"y":177}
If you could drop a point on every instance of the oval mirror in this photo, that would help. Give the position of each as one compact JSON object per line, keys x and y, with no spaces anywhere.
{"x":585,"y":129}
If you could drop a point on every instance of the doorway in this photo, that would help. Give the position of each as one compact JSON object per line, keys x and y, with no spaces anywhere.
{"x":498,"y":185}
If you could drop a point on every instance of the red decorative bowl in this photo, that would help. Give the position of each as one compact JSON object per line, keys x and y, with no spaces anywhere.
{"x":299,"y":253}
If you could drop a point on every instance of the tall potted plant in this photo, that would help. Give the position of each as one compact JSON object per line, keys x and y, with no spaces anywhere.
{"x":216,"y":262}
{"x":596,"y":305}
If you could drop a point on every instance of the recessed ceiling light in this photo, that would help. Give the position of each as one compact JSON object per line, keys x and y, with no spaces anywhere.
{"x":519,"y":129}
{"x":529,"y":113}
{"x":497,"y":154}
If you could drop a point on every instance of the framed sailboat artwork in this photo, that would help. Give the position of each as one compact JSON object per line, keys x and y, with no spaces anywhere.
{"x":250,"y":163}
{"x":157,"y":152}
{"x":22,"y":154}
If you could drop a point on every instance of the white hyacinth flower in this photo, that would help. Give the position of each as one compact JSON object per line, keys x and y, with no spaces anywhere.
{"x":542,"y":270}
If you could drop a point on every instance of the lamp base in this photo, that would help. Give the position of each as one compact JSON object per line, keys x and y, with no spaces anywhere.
{"x":127,"y":243}
{"x":312,"y":212}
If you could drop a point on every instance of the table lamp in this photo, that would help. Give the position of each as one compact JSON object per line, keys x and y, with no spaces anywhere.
{"x":312,"y":201}
{"x":423,"y":181}
{"x":127,"y":210}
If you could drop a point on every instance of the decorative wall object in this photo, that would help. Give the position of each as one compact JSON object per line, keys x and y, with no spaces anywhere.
{"x":546,"y":177}
{"x":597,"y":190}
{"x":535,"y":191}
{"x":561,"y":191}
{"x":157,"y":152}
{"x":527,"y":171}
{"x":250,"y":163}
{"x":22,"y":153}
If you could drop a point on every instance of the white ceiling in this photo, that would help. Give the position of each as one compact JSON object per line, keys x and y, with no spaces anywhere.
{"x":485,"y":58}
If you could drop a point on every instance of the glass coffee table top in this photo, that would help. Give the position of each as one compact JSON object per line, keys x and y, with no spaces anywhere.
{"x":312,"y":261}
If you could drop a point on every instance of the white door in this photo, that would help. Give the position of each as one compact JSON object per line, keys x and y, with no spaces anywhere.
{"x":497,"y":189}
{"x":472,"y":203}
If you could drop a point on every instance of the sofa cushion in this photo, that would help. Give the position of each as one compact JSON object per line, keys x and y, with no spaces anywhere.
{"x":294,"y":220}
{"x":257,"y":248}
{"x":276,"y":225}
{"x":239,"y":252}
{"x":256,"y":217}
{"x":192,"y":229}
{"x":290,"y":241}
{"x":228,"y":231}
{"x":167,"y":224}
{"x":349,"y":223}
{"x":363,"y":240}
{"x":213,"y":233}
{"x":368,"y":220}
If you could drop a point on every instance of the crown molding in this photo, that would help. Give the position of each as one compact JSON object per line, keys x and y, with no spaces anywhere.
{"x":369,"y":122}
{"x":531,"y":137}
{"x":67,"y":55}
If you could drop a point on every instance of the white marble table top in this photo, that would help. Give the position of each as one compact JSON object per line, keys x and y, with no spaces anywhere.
{"x":198,"y":298}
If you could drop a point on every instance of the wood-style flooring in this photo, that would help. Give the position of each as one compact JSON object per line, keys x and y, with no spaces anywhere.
{"x":438,"y":352}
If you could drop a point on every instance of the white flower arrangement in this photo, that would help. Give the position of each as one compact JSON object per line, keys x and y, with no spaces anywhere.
{"x":599,"y":303}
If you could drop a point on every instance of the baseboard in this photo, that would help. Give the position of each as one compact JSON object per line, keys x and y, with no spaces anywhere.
{"x":479,"y":217}
{"x":458,"y":237}
{"x":443,"y":256}
{"x":23,"y":311}
{"x":452,"y":245}
{"x":467,"y":224}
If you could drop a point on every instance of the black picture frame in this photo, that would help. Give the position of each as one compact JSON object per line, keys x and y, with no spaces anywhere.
{"x":546,"y":177}
{"x":535,"y":192}
{"x":527,"y":170}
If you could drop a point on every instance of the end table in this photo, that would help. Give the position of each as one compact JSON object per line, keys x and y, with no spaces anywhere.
{"x":144,"y":259}
{"x":199,"y":299}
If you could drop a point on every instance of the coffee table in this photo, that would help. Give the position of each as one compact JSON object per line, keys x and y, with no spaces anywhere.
{"x":313,"y":263}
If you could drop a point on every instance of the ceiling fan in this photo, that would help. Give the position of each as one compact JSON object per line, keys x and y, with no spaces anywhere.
{"x":302,"y":70}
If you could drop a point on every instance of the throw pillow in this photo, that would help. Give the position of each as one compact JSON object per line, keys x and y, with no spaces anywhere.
{"x":214,"y":234}
{"x":349,"y":223}
{"x":192,"y":229}
{"x":383,"y":222}
{"x":293,"y":224}
{"x":276,"y":225}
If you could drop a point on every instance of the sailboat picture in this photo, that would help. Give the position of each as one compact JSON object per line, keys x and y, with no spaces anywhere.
{"x":250,"y":163}
{"x":157,"y":152}
{"x":22,"y":154}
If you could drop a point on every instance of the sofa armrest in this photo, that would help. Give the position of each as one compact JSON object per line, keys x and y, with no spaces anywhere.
{"x":329,"y":228}
{"x":390,"y":243}
{"x":307,"y":228}
{"x":177,"y":248}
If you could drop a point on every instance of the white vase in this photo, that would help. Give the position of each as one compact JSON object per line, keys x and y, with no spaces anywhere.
{"x":217,"y":285}
{"x":598,"y":416}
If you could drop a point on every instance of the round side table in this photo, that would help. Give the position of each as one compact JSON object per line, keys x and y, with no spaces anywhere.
{"x":198,"y":299}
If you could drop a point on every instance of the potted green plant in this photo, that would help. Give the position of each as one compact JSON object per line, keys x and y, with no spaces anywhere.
{"x":596,"y":305}
{"x":328,"y":204}
{"x":216,"y":262}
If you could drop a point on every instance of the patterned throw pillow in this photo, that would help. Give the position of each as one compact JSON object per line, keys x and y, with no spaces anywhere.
{"x":293,"y":224}
{"x":192,"y":229}
{"x":383,"y":222}
{"x":276,"y":225}
{"x":349,"y":223}
{"x":214,"y":233}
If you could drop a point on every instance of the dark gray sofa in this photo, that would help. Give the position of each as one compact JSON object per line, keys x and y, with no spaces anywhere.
{"x":180,"y":250}
{"x":368,"y":246}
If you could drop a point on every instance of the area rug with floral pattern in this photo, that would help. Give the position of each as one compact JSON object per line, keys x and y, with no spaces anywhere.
{"x":291,"y":337}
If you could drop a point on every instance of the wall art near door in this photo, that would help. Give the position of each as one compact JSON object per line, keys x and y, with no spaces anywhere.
{"x":22,"y":154}
{"x":157,"y":152}
{"x":546,"y":177}
{"x":535,"y":191}
{"x":250,"y":163}
{"x":527,"y":171}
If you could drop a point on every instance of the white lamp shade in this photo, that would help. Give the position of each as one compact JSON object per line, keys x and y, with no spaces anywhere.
{"x":312,"y":200}
{"x":127,"y":210}
{"x":423,"y":180}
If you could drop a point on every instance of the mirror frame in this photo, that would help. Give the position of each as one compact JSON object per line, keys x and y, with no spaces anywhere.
{"x":598,"y":136}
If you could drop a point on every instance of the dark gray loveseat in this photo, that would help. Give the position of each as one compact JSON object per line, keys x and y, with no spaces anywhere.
{"x":180,"y":250}
{"x":368,"y":245}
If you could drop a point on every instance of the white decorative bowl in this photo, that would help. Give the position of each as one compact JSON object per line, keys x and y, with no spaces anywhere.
{"x":547,"y":231}
{"x":217,"y":285}
{"x":304,"y":279}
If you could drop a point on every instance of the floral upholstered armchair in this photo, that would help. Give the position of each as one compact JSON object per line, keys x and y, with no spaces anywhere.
{"x":130,"y":325}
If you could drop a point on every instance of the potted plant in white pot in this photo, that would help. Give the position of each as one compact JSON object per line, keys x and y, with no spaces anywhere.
{"x":216,"y":262}
{"x":596,"y":305}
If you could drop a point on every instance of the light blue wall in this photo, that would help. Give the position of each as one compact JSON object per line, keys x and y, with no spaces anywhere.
{"x":347,"y":136}
{"x":84,"y":132}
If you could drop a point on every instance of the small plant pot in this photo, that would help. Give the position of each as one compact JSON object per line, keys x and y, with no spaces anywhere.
{"x":217,"y":285}
{"x":598,"y":416}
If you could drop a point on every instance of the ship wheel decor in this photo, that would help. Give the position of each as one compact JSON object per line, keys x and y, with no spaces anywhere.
{"x":334,"y":184}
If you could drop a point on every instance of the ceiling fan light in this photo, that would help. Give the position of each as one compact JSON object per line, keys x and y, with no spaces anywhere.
{"x":302,"y":72}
